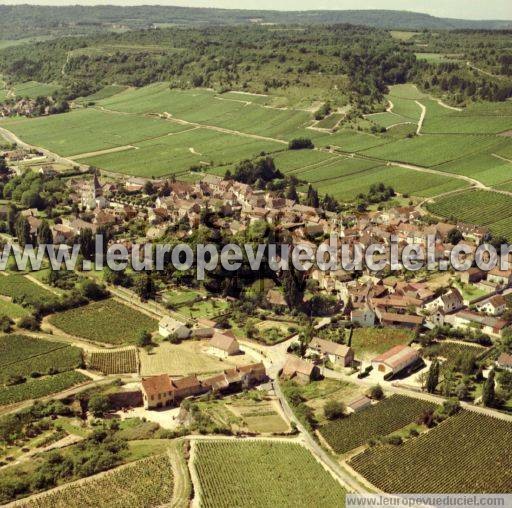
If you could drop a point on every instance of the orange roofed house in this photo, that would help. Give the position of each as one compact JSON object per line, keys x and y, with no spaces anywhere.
{"x":162,"y":391}
{"x":300,"y":370}
{"x":395,"y":360}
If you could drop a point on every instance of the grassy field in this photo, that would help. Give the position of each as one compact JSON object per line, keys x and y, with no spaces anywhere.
{"x":485,"y":167}
{"x":106,"y":321}
{"x":181,"y":296}
{"x":248,"y":411}
{"x":433,"y":149}
{"x":382,"y":419}
{"x":387,"y":119}
{"x":465,"y":123}
{"x":186,"y":358}
{"x":317,"y":393}
{"x":272,"y":332}
{"x":370,"y":342}
{"x":403,"y":181}
{"x":469,"y":452}
{"x":482,"y":208}
{"x":208,"y":309}
{"x":88,"y":130}
{"x":275,"y":474}
{"x":329,"y":122}
{"x":33,"y":89}
{"x":12,"y":310}
{"x":104,"y":93}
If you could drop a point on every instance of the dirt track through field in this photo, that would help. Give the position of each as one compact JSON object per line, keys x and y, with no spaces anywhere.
{"x":104,"y":152}
{"x":422,"y":117}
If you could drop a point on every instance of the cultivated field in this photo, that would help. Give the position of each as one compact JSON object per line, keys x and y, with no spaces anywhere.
{"x":274,"y":474}
{"x":114,"y":362}
{"x":178,"y":152}
{"x":178,"y":129}
{"x":20,"y":288}
{"x":33,"y":389}
{"x":432,"y":149}
{"x":106,"y":321}
{"x":186,"y":358}
{"x":147,"y":482}
{"x":488,"y":168}
{"x":28,"y":357}
{"x":482,"y":208}
{"x":88,"y":130}
{"x":379,"y":420}
{"x":469,"y":452}
{"x":452,"y":350}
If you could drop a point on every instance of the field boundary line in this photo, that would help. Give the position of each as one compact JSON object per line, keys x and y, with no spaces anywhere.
{"x":447,"y":106}
{"x":64,"y":345}
{"x":422,"y":117}
{"x":98,"y":153}
{"x":348,"y":174}
{"x":37,"y":282}
{"x":180,"y":121}
{"x":195,"y":502}
{"x":182,"y":486}
{"x":501,"y":158}
{"x":401,"y":123}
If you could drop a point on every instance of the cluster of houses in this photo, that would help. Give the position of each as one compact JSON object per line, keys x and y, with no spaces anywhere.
{"x":372,"y":300}
{"x":388,"y":364}
{"x":163,"y":391}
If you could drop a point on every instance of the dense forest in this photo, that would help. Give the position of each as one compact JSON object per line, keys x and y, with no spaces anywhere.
{"x":23,"y":20}
{"x":341,"y":63}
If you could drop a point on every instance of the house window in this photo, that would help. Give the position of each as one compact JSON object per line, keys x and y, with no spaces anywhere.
{"x":152,"y":397}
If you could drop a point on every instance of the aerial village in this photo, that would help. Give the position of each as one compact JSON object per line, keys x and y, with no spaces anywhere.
{"x":470,"y":309}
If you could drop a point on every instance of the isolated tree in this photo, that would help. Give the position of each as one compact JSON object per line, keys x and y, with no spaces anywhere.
{"x":144,"y":339}
{"x":376,"y":392}
{"x":11,"y":219}
{"x":334,"y":409}
{"x":489,"y":390}
{"x":99,"y":404}
{"x":293,"y":286}
{"x":4,"y":170}
{"x":433,"y":377}
{"x":144,"y":286}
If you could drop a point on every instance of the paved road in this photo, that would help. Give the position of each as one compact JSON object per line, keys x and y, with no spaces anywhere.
{"x":343,"y":476}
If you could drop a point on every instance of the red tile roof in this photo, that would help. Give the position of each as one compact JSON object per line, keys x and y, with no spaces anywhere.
{"x":157,"y":384}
